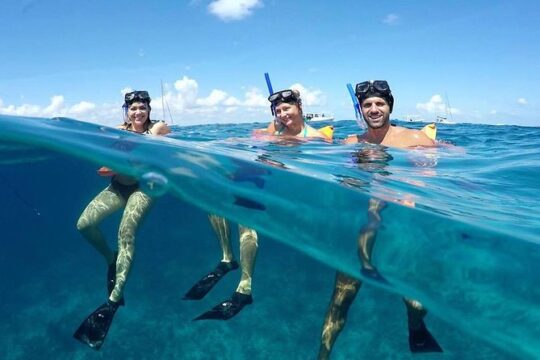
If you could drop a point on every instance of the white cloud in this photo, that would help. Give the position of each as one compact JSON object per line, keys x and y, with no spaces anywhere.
{"x":255,"y":98}
{"x":231,"y":101}
{"x":522,"y":101}
{"x":229,"y":10}
{"x":215,"y":98}
{"x":309,"y":97}
{"x":22,"y":110}
{"x":186,"y":86}
{"x":436,"y":105}
{"x":82,"y":108}
{"x":57,"y":103}
{"x":391,"y":19}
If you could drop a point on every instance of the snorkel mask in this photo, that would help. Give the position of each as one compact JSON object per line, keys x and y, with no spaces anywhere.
{"x":378,"y":88}
{"x":287,"y":96}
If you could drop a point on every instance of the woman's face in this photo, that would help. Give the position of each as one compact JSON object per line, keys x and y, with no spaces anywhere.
{"x":138,"y":113}
{"x":289,"y":113}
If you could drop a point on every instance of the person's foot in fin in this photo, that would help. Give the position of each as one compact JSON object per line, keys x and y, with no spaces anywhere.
{"x":94,"y":329}
{"x":373,"y":274}
{"x":111,"y":279}
{"x":207,"y":282}
{"x":421,"y":340}
{"x":228,"y":308}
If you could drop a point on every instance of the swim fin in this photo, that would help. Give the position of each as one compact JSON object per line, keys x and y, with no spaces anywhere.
{"x":207,"y":282}
{"x":94,"y":329}
{"x":228,"y":308}
{"x":111,"y":279}
{"x":421,"y":340}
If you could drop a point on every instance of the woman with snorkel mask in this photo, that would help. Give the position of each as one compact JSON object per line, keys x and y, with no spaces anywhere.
{"x":123,"y":192}
{"x":289,"y":117}
{"x":289,"y":122}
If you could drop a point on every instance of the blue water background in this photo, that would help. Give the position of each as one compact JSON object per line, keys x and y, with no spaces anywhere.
{"x":468,"y":249}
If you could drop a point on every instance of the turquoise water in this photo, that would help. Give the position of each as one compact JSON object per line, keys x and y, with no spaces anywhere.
{"x":468,"y":249}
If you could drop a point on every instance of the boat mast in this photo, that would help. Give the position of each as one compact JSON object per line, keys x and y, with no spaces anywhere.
{"x":448,"y":108}
{"x":162,"y":100}
{"x":163,"y":103}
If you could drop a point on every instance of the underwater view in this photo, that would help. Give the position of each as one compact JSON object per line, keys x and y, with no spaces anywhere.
{"x":457,"y":231}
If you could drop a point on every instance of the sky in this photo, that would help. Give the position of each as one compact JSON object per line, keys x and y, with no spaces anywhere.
{"x":204,"y":61}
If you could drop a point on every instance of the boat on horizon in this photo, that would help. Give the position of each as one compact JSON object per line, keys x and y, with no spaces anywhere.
{"x":443,"y":120}
{"x":319,"y":117}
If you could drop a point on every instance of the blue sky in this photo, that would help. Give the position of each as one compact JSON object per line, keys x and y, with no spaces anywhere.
{"x":71,"y":58}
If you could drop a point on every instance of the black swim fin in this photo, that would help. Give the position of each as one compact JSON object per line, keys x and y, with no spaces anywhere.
{"x":94,"y":329}
{"x":228,"y":308}
{"x":421,"y":340}
{"x":111,"y":279}
{"x":207,"y":282}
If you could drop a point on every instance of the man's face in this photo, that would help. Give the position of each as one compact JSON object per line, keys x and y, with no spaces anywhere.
{"x":376,"y":112}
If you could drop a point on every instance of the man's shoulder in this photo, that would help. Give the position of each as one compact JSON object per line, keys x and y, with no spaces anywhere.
{"x":411,"y":137}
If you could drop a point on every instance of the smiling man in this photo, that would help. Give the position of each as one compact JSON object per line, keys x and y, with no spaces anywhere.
{"x":376,"y":104}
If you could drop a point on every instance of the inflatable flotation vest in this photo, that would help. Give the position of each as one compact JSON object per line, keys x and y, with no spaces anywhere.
{"x":430,"y":130}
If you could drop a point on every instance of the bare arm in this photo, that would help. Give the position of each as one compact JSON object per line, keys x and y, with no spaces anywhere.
{"x":160,"y":128}
{"x":351,"y":139}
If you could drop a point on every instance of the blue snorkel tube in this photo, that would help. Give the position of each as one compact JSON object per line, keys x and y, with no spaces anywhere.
{"x":356,"y":105}
{"x":270,"y":90}
{"x":277,"y":123}
{"x":268,"y":83}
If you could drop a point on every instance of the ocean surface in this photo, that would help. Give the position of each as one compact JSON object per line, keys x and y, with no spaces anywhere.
{"x":459,"y":233}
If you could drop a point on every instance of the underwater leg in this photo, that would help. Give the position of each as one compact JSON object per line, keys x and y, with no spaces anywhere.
{"x":345,"y":290}
{"x":137,"y":206}
{"x":366,"y":240}
{"x":103,"y":205}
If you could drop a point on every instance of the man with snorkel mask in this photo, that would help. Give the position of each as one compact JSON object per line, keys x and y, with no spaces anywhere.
{"x":376,"y":104}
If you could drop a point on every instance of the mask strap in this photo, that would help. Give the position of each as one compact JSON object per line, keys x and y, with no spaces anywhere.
{"x":125,"y":111}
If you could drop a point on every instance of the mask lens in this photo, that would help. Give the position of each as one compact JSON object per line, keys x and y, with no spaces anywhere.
{"x":273,"y":97}
{"x":362,"y":88}
{"x":381,"y":85}
{"x":285,"y":95}
{"x":143,"y":95}
{"x":137,"y":95}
